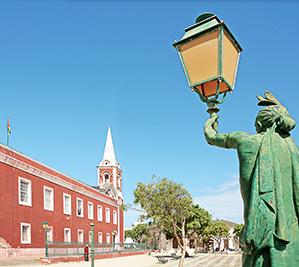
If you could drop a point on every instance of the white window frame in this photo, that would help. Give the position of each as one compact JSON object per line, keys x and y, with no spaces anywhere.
{"x":107,"y":212}
{"x":82,"y":213}
{"x":64,"y":235}
{"x":100,"y":237}
{"x":108,"y":238}
{"x":29,"y":234}
{"x":70,"y":200}
{"x":52,"y":198}
{"x":29,"y":202}
{"x":80,"y":231}
{"x":50,"y":233}
{"x":100,"y":214}
{"x":114,"y":217}
{"x":90,"y":215}
{"x":89,"y":236}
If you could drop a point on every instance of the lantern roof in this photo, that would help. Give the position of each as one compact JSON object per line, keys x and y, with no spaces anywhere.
{"x":205,"y":23}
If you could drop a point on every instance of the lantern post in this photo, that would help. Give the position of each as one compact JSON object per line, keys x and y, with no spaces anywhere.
{"x":92,"y":250}
{"x":46,"y":227}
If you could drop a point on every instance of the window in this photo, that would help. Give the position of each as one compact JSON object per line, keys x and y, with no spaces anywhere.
{"x":90,"y":211}
{"x":67,"y":204}
{"x":80,"y":236}
{"x":79,"y":207}
{"x":89,"y":236}
{"x":100,"y":237}
{"x":107,"y":215}
{"x":106,"y":178}
{"x":108,"y":238}
{"x":100,"y":213}
{"x":25,"y":233}
{"x":48,"y":198}
{"x":114,"y":217}
{"x":67,"y":235}
{"x":24,"y":192}
{"x":50,"y":233}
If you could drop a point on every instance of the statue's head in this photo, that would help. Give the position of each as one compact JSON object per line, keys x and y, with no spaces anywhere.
{"x":273,"y":115}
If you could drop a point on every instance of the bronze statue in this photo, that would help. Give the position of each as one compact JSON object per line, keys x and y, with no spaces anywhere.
{"x":269,"y":181}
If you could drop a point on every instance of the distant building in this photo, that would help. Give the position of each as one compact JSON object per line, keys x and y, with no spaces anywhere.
{"x":31,"y":193}
{"x":229,"y":242}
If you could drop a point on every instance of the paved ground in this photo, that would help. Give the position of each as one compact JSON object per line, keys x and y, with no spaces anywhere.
{"x":210,"y":260}
{"x":201,"y":260}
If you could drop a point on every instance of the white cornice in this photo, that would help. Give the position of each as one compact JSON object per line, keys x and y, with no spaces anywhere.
{"x":51,"y":178}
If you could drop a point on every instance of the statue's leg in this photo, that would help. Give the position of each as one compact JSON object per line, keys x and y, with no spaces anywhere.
{"x":260,"y":260}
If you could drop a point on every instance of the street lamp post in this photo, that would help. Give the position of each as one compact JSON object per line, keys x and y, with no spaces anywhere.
{"x":92,"y":251}
{"x":209,"y":54}
{"x":46,"y":227}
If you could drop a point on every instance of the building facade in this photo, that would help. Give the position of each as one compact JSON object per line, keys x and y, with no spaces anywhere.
{"x":32,"y":193}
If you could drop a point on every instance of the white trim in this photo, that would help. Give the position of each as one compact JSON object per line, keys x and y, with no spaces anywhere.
{"x":118,"y":225}
{"x":82,"y":212}
{"x":90,"y":216}
{"x":52,"y":198}
{"x":114,"y":177}
{"x":107,"y":213}
{"x":99,"y":218}
{"x":64,"y":235}
{"x":52,"y":178}
{"x":81,"y":231}
{"x":70,"y":198}
{"x":29,"y":202}
{"x":29,"y":234}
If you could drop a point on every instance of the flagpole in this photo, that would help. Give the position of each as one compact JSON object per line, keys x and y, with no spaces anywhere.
{"x":7,"y":139}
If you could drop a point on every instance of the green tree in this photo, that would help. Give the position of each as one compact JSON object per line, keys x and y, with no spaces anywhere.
{"x":167,"y":204}
{"x":139,"y":233}
{"x":216,"y":230}
{"x":238,"y":229}
{"x":128,"y":233}
{"x":237,"y":232}
{"x":197,"y":222}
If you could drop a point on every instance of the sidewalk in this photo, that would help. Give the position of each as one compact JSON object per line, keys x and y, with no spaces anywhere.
{"x":201,"y":260}
{"x":128,"y":261}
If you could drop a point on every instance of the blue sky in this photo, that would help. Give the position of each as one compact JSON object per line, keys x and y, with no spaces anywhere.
{"x":69,"y":69}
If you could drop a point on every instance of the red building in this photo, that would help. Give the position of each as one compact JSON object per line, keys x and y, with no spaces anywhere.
{"x":31,"y":193}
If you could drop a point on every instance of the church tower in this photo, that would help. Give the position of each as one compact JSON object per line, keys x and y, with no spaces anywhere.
{"x":109,"y":171}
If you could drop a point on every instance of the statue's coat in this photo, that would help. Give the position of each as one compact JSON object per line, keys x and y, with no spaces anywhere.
{"x":269,"y":181}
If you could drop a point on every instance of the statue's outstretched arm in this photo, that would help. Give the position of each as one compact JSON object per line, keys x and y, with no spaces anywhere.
{"x":222,"y":140}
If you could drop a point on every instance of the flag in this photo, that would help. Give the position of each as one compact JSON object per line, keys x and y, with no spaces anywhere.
{"x":8,"y":127}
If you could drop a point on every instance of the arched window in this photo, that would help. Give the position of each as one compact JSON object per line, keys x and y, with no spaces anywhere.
{"x":106,"y":178}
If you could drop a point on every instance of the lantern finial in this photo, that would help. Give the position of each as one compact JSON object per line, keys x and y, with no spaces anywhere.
{"x":204,"y":16}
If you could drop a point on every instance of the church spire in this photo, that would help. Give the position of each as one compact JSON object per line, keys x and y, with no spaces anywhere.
{"x":109,"y":155}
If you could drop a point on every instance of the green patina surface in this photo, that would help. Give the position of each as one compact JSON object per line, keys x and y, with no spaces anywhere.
{"x":269,"y":181}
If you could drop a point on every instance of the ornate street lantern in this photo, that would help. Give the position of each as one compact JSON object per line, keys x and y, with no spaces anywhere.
{"x":209,"y":54}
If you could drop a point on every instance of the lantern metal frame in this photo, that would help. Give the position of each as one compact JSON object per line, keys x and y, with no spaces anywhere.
{"x":206,"y":24}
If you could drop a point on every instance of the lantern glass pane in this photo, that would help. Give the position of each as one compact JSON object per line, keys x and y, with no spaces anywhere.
{"x":230,"y":57}
{"x":210,"y":88}
{"x":200,"y":58}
